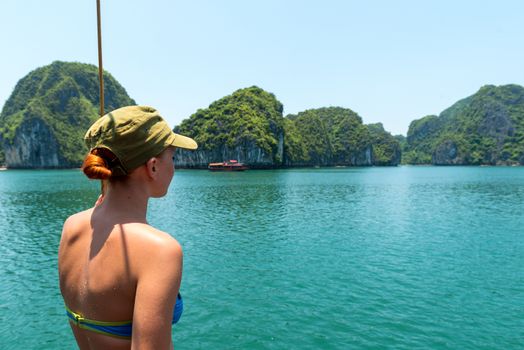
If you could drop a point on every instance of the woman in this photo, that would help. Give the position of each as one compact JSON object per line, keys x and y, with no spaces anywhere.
{"x":119,"y":276}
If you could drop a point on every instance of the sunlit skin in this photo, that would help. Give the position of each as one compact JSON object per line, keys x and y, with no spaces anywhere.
{"x":114,"y":266}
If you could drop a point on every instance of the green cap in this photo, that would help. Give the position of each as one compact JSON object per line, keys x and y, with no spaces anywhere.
{"x":134,"y":134}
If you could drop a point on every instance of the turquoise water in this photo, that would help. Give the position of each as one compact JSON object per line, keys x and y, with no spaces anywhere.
{"x":351,"y":258}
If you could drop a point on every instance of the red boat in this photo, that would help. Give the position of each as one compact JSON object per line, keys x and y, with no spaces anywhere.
{"x":231,"y":165}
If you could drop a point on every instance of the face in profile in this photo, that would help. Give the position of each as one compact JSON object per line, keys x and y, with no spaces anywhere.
{"x":166,"y":169}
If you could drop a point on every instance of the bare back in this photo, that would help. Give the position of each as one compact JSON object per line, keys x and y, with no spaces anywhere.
{"x":102,"y":261}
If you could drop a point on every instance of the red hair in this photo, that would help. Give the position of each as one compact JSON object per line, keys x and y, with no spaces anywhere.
{"x":95,"y":166}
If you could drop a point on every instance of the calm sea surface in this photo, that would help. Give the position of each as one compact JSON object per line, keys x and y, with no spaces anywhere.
{"x":351,"y":258}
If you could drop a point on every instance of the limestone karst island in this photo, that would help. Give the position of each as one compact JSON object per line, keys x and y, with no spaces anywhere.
{"x":43,"y":122}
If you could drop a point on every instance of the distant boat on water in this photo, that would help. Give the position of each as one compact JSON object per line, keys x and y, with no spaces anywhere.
{"x":231,"y":165}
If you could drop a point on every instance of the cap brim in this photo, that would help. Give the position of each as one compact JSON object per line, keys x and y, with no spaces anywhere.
{"x":184,"y":142}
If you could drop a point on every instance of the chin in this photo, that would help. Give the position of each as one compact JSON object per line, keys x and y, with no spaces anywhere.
{"x":159,"y":195}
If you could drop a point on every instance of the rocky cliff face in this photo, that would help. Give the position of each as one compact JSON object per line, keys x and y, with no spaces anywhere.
{"x":43,"y":122}
{"x":485,"y":128}
{"x":421,"y":129}
{"x":249,"y":154}
{"x":446,"y":153}
{"x":362,"y":157}
{"x":34,"y":146}
{"x":246,"y":126}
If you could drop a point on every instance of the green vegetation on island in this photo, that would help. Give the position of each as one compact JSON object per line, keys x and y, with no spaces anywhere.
{"x":336,"y":136}
{"x":247,"y":124}
{"x":486,"y":128}
{"x":387,"y":149}
{"x":43,"y":122}
{"x":403,"y":144}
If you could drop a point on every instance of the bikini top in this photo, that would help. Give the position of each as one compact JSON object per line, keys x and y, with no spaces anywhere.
{"x":121,"y":329}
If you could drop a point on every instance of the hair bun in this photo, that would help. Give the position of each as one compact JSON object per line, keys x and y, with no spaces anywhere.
{"x":95,"y":167}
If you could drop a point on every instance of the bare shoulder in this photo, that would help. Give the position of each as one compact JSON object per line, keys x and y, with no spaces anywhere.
{"x":78,"y":219}
{"x":156,"y":237}
{"x":72,"y":237}
{"x":156,"y":244}
{"x":75,"y":225}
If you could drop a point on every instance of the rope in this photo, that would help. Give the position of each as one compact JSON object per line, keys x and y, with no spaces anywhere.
{"x":100,"y":77}
{"x":100,"y":69}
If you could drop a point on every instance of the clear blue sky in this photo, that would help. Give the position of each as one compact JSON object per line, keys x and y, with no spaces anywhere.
{"x":389,"y":61}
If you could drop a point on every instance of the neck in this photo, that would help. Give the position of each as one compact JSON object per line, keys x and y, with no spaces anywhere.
{"x":126,"y":200}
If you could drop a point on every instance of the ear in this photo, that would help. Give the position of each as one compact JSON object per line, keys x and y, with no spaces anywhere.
{"x":152,"y":168}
